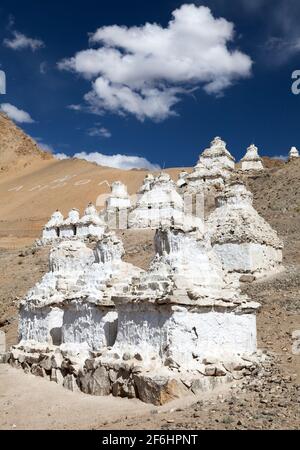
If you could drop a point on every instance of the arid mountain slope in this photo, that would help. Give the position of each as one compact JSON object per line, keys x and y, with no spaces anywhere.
{"x":17,"y":150}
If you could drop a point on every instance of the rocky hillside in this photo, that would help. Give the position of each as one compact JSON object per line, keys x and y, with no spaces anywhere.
{"x":16,"y":148}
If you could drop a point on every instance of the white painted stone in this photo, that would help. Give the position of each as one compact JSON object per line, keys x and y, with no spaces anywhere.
{"x":243,"y":240}
{"x":252,"y":160}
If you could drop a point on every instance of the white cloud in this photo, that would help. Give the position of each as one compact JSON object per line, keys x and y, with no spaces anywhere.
{"x":61,"y":156}
{"x":99,"y":131}
{"x":74,"y":107}
{"x":118,"y":161}
{"x":281,"y":157}
{"x":143,"y":70}
{"x":18,"y":115}
{"x":19,"y":42}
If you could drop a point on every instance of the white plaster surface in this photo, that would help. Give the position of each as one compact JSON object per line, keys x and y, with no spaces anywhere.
{"x":87,"y":323}
{"x":182,"y":334}
{"x":41,"y":325}
{"x":248,"y":257}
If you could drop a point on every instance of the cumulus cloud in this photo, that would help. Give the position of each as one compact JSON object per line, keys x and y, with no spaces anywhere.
{"x":118,"y":161}
{"x":99,"y":131}
{"x":18,"y":115}
{"x":143,"y":70}
{"x":19,"y":42}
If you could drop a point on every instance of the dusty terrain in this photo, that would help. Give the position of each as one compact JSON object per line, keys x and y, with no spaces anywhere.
{"x":271,"y":401}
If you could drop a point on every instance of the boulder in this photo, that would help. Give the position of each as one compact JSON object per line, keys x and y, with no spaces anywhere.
{"x":158,"y":390}
{"x":38,"y":371}
{"x":46,"y":362}
{"x":57,"y":360}
{"x":69,"y":382}
{"x":56,"y":376}
{"x":95,"y":383}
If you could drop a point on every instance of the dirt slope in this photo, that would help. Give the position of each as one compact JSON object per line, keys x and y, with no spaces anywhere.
{"x":17,"y":150}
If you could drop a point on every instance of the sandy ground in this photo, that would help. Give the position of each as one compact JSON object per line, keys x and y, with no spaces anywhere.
{"x":22,"y":408}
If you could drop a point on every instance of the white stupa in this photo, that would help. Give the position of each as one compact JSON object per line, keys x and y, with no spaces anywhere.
{"x":252,"y":160}
{"x":157,"y":202}
{"x":51,"y":230}
{"x":68,"y":229}
{"x":147,"y":183}
{"x":90,"y":224}
{"x":183,"y":307}
{"x":117,"y":207}
{"x":119,"y":198}
{"x":293,"y":153}
{"x":71,"y":306}
{"x":214,"y":167}
{"x":41,"y":312}
{"x":90,"y":318}
{"x":244,"y":241}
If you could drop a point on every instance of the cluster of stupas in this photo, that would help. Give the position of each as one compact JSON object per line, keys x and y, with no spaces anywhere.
{"x":90,"y":224}
{"x":97,"y":324}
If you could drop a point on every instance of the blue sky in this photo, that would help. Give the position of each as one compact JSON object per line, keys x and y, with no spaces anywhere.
{"x":160,"y":92}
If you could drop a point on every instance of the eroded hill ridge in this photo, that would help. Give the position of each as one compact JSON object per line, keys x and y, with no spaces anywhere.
{"x":16,"y":147}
